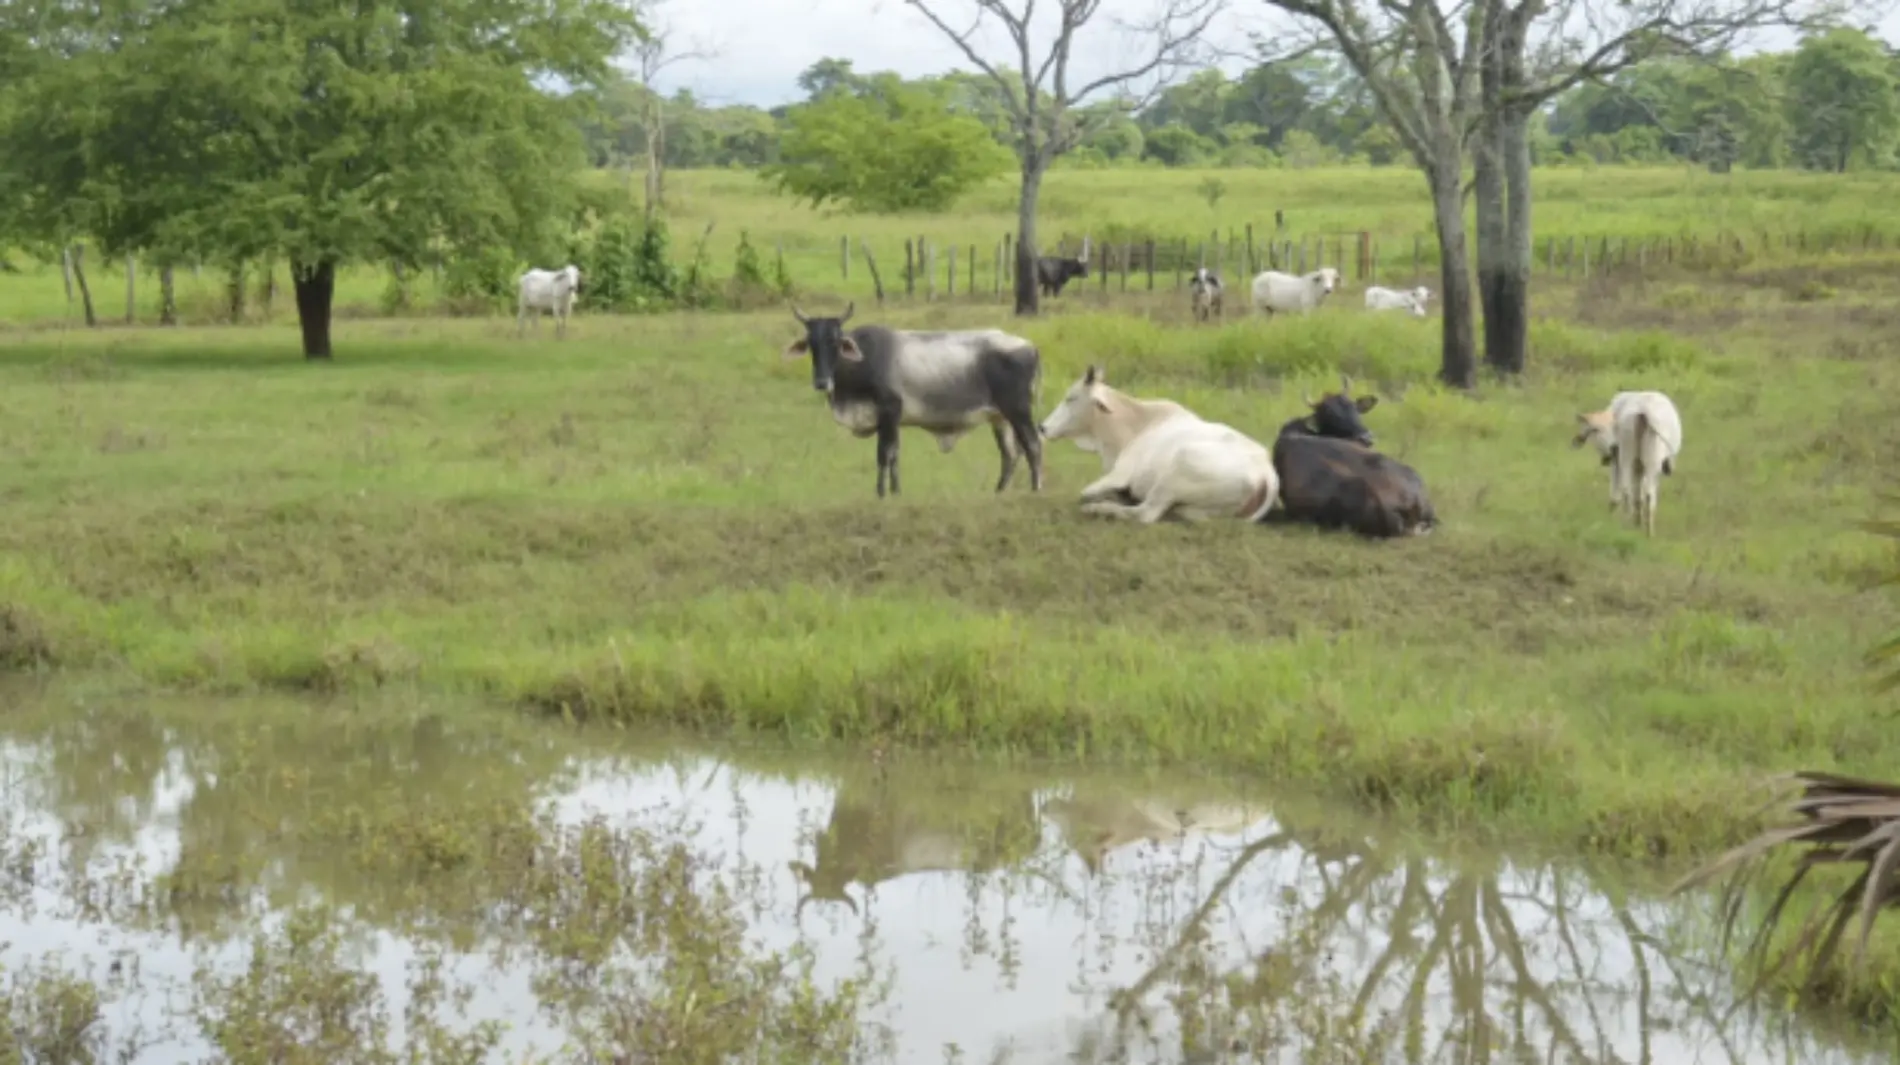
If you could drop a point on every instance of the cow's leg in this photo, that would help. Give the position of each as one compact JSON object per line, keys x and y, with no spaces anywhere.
{"x":1147,"y":512}
{"x":1007,"y":446}
{"x":521,"y":319}
{"x":886,"y":451}
{"x":1110,"y":483}
{"x":1029,"y":438}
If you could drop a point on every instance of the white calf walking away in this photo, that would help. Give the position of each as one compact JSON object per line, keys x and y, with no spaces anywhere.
{"x":1638,"y":436}
{"x":547,"y":290}
{"x":1164,"y":457}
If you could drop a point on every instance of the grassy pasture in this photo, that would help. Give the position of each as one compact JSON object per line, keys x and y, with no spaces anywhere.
{"x":1771,"y":211}
{"x":656,"y":521}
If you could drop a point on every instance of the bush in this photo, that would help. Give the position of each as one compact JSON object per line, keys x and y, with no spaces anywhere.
{"x":628,"y":266}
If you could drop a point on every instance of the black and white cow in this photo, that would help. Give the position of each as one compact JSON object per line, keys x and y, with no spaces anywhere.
{"x":878,"y":379}
{"x":1205,"y":288}
{"x":1055,"y":271}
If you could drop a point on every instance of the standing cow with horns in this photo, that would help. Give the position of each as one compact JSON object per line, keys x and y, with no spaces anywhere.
{"x":877,"y":380}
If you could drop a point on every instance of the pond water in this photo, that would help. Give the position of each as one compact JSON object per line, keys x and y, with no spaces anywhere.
{"x":237,"y":880}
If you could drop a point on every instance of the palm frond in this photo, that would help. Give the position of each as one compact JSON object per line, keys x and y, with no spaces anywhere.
{"x":1845,"y":820}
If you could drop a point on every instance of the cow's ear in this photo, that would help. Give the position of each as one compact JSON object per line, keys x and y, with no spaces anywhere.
{"x":1366,"y":403}
{"x":797,"y":349}
{"x":1093,"y":375}
{"x":848,"y":349}
{"x":1101,"y":404}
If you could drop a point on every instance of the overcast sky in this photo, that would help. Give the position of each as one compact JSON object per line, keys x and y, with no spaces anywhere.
{"x":763,"y":45}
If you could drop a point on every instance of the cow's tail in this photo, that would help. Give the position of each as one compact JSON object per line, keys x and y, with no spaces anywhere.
{"x":1643,"y":430}
{"x":1260,"y":500}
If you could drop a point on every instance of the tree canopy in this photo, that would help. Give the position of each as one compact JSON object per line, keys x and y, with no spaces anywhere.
{"x":313,"y":130}
{"x":883,"y":144}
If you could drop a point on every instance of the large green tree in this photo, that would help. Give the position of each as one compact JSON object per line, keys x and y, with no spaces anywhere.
{"x":883,"y":144}
{"x":321,"y":131}
{"x":1841,"y":93}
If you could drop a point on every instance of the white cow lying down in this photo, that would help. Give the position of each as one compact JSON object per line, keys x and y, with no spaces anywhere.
{"x":547,"y":290}
{"x":1386,"y":299}
{"x":1274,"y":291}
{"x":1639,"y":435}
{"x":1164,"y":455}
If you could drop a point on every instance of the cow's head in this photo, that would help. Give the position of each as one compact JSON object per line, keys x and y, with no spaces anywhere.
{"x":818,"y":888}
{"x":1325,"y":279}
{"x":1079,"y":407}
{"x":1419,"y":296}
{"x":573,"y":276}
{"x":1336,"y":414}
{"x":825,"y":341}
{"x":1599,"y":428}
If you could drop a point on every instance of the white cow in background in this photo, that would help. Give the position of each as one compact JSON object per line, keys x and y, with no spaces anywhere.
{"x":1274,"y":291}
{"x":1162,"y":457}
{"x":1386,"y":299}
{"x":548,"y":290}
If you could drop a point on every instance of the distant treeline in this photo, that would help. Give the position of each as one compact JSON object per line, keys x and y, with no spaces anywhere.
{"x":1832,"y":103}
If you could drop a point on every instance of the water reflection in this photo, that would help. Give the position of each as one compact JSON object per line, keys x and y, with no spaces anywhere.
{"x":971,"y":914}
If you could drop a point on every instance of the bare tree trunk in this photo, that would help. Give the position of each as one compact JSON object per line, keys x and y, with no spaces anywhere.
{"x":167,"y":297}
{"x":1488,"y":185}
{"x":1458,"y":365}
{"x":1503,"y":191}
{"x":234,"y":290}
{"x":85,"y":290}
{"x":1513,"y":322}
{"x":315,"y":287}
{"x":1492,"y":234}
{"x":1026,"y":292}
{"x":656,"y":152}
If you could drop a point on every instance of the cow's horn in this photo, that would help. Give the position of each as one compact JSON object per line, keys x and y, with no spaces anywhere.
{"x":1307,"y":398}
{"x":848,"y":308}
{"x":800,"y":315}
{"x":1345,"y":383}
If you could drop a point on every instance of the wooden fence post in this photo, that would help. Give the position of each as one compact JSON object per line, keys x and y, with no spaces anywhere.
{"x":910,"y":271}
{"x":930,"y":268}
{"x":167,"y":297}
{"x":131,"y":289}
{"x":1252,"y":262}
{"x":870,"y":263}
{"x":844,"y":258}
{"x":950,"y":275}
{"x":1151,"y":264}
{"x":1002,"y":249}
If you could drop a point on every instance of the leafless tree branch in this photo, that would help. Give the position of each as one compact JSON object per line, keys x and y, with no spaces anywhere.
{"x":1040,"y":104}
{"x":1590,"y":40}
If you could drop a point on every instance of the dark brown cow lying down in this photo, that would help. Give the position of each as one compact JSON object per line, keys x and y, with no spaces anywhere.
{"x":1331,"y":477}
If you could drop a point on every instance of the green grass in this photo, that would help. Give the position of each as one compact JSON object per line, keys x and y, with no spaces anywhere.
{"x":657,"y":522}
{"x":1771,"y":212}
